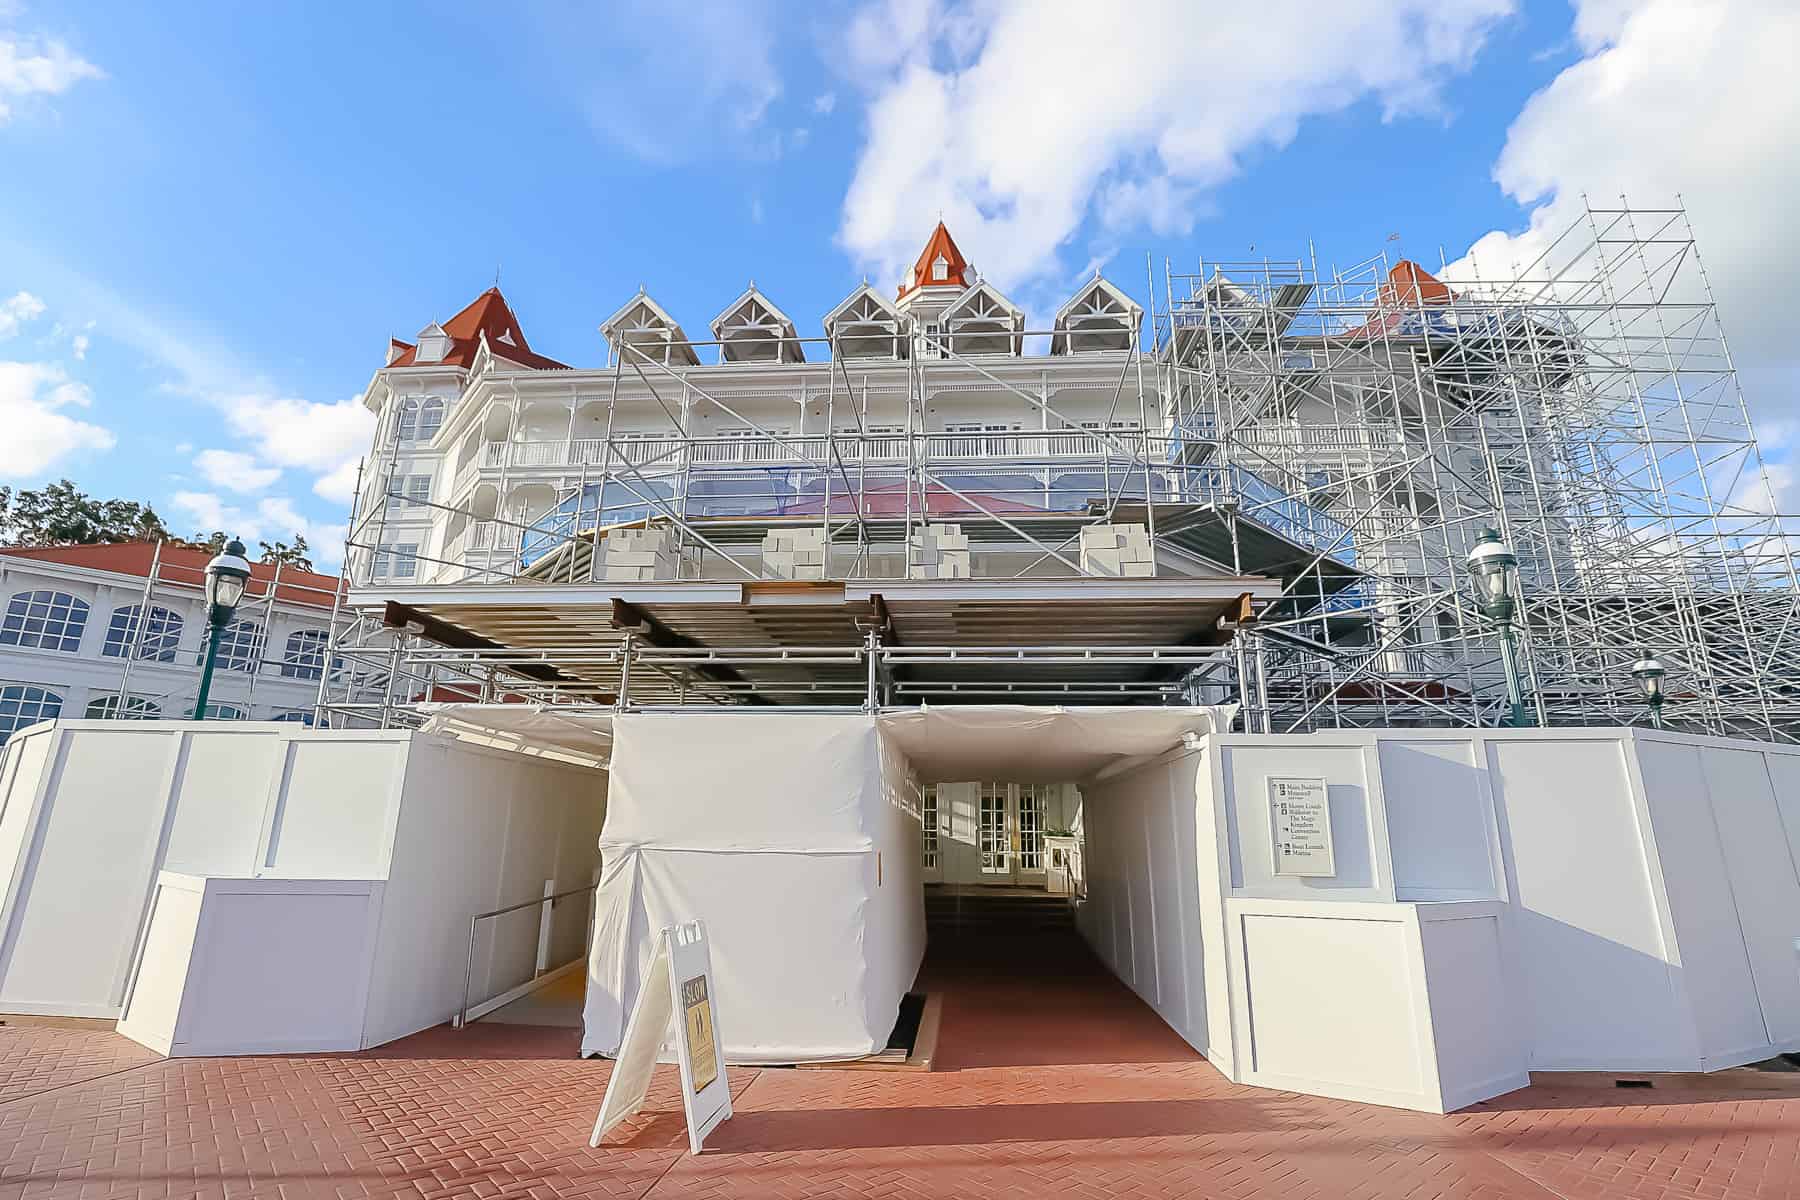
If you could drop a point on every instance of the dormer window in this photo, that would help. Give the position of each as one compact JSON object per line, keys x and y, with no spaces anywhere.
{"x":940,"y":269}
{"x":434,"y":344}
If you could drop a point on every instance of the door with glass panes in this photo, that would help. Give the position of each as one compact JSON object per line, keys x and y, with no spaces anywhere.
{"x":1009,"y":832}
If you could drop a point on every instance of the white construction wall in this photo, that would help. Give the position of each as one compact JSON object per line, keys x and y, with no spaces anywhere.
{"x":92,"y":812}
{"x":1500,"y":901}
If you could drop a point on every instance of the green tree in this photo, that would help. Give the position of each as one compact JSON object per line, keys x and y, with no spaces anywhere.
{"x":61,"y":514}
{"x":282,"y":552}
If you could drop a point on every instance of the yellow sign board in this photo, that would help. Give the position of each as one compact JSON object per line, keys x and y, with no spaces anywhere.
{"x":696,"y":1008}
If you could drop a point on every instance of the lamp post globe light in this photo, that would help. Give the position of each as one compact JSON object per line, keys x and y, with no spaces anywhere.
{"x":226,"y":577}
{"x":1495,"y":571}
{"x":1649,"y":672}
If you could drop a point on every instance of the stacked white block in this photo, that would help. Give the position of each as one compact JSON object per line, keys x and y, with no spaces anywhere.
{"x":797,"y":553}
{"x":641,"y":555}
{"x":938,"y":552}
{"x":1117,"y":551}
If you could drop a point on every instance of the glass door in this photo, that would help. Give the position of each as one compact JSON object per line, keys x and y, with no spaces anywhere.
{"x":1028,"y":822}
{"x":931,"y":860}
{"x":993,"y":838}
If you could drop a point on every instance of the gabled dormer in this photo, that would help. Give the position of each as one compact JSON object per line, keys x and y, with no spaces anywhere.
{"x":650,"y":332}
{"x":752,"y":329}
{"x":432,"y":345}
{"x":1098,"y":317}
{"x":866,"y":326}
{"x":981,"y":321}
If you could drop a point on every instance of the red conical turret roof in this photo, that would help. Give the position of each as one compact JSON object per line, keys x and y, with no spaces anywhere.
{"x":488,"y":314}
{"x":941,"y":245}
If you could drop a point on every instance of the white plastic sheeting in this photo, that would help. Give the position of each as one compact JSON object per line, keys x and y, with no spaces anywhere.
{"x":795,"y":837}
{"x":787,"y":837}
{"x":1040,"y":744}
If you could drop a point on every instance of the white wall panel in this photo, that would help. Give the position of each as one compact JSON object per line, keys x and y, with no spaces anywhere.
{"x":1439,"y":821}
{"x":334,"y":816}
{"x":1592,"y":956}
{"x":1248,"y":767}
{"x":73,"y":929}
{"x":1765,"y":892}
{"x":219,"y":803}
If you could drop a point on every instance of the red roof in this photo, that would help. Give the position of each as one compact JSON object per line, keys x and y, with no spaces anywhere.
{"x":940,"y":245}
{"x":1409,"y":288}
{"x":491,"y":315}
{"x":182,"y":566}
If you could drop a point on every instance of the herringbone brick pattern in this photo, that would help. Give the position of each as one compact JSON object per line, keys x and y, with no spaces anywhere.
{"x":1063,"y":1086}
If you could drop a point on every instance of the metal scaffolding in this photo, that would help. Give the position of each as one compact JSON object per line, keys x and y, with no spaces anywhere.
{"x":1587,"y":407}
{"x":1346,"y":433}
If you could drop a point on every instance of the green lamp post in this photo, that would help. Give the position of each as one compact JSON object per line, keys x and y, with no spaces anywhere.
{"x":1495,"y":569}
{"x":226,"y":577}
{"x":1649,"y":672}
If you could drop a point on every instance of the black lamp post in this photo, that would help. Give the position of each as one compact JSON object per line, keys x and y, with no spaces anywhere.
{"x":226,"y":577}
{"x":1649,"y":672}
{"x":1495,"y":569}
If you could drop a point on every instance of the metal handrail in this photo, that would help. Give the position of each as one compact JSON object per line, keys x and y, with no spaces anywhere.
{"x":461,"y":1019}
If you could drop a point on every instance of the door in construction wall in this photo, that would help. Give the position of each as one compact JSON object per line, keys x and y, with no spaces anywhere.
{"x":987,"y":832}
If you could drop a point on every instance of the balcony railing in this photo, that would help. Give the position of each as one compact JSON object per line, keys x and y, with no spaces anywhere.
{"x":811,"y":449}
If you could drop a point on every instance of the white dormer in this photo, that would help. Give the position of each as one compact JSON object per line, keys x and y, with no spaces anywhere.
{"x":981,"y":321}
{"x":940,"y":269}
{"x":1098,"y":317}
{"x":866,"y":326}
{"x":752,"y":329}
{"x":649,"y":331}
{"x":433,"y":345}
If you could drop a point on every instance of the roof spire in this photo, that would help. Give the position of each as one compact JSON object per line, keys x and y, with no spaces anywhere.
{"x":939,"y":246}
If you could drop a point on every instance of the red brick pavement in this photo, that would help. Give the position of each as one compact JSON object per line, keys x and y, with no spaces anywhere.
{"x":1065,"y":1087}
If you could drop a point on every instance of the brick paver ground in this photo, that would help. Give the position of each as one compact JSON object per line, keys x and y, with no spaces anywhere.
{"x":1062,"y":1087}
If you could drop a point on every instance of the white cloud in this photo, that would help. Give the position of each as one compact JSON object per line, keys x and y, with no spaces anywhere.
{"x":302,"y":433}
{"x":234,"y":470}
{"x":1694,"y":98}
{"x":20,"y":308}
{"x":39,"y":434}
{"x":824,"y":102}
{"x":78,"y":346}
{"x":1020,"y":119}
{"x":33,"y":67}
{"x":273,"y":518}
{"x":339,"y":486}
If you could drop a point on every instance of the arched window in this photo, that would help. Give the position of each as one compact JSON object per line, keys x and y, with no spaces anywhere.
{"x":303,"y":716}
{"x":406,"y":424}
{"x":305,"y":656}
{"x":241,"y":646}
{"x":22,"y":704}
{"x":431,"y":418}
{"x":45,"y":621}
{"x":135,"y":708}
{"x":224,"y":712}
{"x":157,"y":641}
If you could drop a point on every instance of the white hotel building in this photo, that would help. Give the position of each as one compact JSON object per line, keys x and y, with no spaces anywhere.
{"x":75,"y":640}
{"x":1156,"y":614}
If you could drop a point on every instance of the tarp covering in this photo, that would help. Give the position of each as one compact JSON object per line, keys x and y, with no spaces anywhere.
{"x":795,"y":837}
{"x":782,"y":834}
{"x":1024,"y":743}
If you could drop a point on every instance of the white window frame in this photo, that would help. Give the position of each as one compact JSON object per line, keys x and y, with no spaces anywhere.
{"x":45,"y":619}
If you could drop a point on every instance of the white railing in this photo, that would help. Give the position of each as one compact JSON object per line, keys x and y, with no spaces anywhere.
{"x":667,"y":453}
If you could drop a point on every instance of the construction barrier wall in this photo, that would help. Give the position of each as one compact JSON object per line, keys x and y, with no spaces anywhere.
{"x":94,"y":815}
{"x":1502,"y":901}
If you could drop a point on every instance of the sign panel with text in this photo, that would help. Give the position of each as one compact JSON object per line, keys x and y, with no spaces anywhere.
{"x":1300,"y":827}
{"x":677,"y":997}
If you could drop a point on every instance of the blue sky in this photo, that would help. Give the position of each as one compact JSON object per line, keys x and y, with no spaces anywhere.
{"x":212,"y":216}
